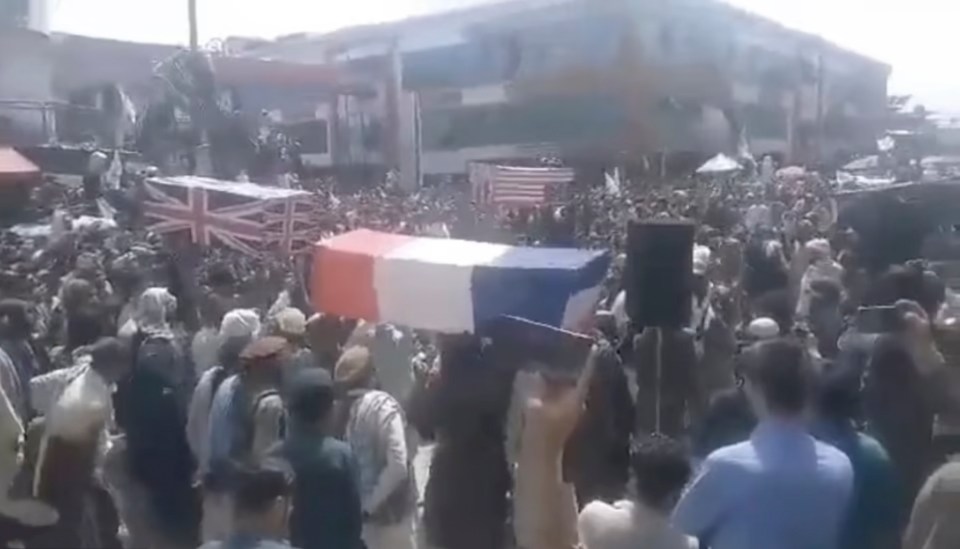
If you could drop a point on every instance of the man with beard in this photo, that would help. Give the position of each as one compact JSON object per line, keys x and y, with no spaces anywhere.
{"x":375,"y":429}
{"x":152,"y":413}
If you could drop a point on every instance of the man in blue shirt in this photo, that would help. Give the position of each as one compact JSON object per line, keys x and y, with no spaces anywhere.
{"x":782,"y":488}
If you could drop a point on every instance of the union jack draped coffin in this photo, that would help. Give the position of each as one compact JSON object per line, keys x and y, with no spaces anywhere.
{"x":245,"y":216}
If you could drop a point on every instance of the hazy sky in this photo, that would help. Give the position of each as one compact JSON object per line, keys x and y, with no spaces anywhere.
{"x":920,"y":38}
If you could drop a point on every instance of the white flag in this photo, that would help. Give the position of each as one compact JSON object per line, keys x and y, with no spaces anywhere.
{"x":105,"y":210}
{"x":886,"y":144}
{"x":613,"y":182}
{"x":743,"y":145}
{"x":114,"y":174}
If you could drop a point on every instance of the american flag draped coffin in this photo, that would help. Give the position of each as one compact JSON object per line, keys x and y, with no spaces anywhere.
{"x":517,"y":187}
{"x":248,"y":217}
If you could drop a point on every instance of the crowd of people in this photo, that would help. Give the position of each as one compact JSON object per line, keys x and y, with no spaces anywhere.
{"x":155,"y":395}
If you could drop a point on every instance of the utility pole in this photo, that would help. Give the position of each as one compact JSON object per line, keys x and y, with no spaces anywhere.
{"x":821,"y":93}
{"x":192,"y":17}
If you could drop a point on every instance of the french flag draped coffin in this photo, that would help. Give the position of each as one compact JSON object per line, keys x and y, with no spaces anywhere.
{"x":453,"y":286}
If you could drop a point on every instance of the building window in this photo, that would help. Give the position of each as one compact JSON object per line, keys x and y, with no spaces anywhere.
{"x":544,"y":120}
{"x":311,"y":135}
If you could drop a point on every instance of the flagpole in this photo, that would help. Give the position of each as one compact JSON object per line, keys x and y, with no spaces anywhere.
{"x":192,"y":19}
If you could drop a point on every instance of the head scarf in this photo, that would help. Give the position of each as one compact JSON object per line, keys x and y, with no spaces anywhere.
{"x":291,"y":322}
{"x":240,"y":323}
{"x":153,"y":310}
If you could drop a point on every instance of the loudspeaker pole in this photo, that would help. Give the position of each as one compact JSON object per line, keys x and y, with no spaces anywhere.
{"x":658,"y":357}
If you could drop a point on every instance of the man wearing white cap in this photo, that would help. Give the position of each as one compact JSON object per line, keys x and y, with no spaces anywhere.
{"x":240,"y":323}
{"x":291,"y":324}
{"x":237,"y":329}
{"x":822,"y":267}
{"x":702,"y":312}
{"x":763,"y":328}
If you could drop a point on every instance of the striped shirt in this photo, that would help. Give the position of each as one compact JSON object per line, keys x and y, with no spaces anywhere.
{"x":376,"y":434}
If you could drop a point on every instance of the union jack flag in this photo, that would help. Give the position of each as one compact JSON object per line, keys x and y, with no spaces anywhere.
{"x":247,"y":217}
{"x":291,"y":223}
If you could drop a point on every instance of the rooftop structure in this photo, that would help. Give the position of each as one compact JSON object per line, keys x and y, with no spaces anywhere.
{"x":608,"y":80}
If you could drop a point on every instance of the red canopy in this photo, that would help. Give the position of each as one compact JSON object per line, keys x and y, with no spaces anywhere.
{"x":16,"y":168}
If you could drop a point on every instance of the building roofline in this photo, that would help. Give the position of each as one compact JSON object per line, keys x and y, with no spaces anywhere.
{"x":24,"y":32}
{"x":58,"y":37}
{"x":783,"y":27}
{"x":390,"y":29}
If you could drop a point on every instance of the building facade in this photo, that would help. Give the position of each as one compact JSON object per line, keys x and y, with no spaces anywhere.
{"x":26,"y":14}
{"x":605,"y":81}
{"x":26,"y":64}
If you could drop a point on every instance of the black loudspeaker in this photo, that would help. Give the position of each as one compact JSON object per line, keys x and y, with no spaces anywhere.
{"x":659,"y":272}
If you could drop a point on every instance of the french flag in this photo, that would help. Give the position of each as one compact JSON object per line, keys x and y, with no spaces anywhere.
{"x":454,"y":286}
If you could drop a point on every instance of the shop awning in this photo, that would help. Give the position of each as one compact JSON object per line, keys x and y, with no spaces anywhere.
{"x":16,"y":168}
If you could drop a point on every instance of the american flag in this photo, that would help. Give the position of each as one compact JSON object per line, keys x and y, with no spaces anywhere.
{"x":244,"y":216}
{"x":517,"y":186}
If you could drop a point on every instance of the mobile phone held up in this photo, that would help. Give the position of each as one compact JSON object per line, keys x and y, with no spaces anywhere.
{"x":530,"y":345}
{"x":879,"y":320}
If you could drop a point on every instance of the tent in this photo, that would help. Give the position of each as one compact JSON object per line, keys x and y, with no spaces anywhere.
{"x":453,"y":286}
{"x":719,"y":164}
{"x":16,"y":168}
{"x":791,"y":172}
{"x":871,"y":162}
